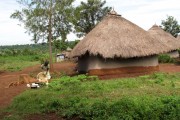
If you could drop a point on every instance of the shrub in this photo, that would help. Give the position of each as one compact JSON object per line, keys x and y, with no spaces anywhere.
{"x":177,"y":61}
{"x":164,"y":58}
{"x":131,"y":108}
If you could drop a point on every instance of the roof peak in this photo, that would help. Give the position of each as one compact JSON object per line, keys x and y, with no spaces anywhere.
{"x":113,"y":12}
{"x":155,"y":25}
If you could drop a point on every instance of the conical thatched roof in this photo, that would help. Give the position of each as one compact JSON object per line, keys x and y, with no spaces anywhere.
{"x":164,"y":37}
{"x":178,"y":37}
{"x":115,"y":36}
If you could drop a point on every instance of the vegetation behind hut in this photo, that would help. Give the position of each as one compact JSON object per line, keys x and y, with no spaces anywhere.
{"x":88,"y":14}
{"x":171,"y":25}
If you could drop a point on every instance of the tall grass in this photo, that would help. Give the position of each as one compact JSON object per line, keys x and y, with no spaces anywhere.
{"x":17,"y":63}
{"x":150,"y":97}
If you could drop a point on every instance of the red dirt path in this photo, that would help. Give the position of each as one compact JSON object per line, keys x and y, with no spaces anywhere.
{"x":7,"y":94}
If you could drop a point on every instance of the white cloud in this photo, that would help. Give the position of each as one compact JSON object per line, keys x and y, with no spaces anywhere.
{"x":144,"y":13}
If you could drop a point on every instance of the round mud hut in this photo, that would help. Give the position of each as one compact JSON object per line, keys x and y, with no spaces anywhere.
{"x":167,"y":39}
{"x":117,"y":47}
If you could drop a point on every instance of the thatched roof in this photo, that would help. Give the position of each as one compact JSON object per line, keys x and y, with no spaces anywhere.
{"x":69,"y":49}
{"x":115,"y":36}
{"x":164,"y":37}
{"x":178,"y":37}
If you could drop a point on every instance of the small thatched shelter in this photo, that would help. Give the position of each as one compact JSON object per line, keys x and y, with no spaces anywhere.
{"x":64,"y":55}
{"x":117,"y":46}
{"x":167,"y":39}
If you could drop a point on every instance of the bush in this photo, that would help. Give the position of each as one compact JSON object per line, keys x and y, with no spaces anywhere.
{"x":164,"y":58}
{"x":177,"y":61}
{"x":131,"y":108}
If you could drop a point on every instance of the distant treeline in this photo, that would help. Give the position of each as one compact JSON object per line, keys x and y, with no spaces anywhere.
{"x":35,"y":49}
{"x":28,"y":49}
{"x":43,"y":46}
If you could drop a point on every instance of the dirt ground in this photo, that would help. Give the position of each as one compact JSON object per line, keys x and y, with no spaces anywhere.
{"x":7,"y":94}
{"x":6,"y":78}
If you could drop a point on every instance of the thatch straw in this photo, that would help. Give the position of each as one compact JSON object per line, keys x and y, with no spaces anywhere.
{"x":178,"y":37}
{"x":164,"y":37}
{"x":115,"y":36}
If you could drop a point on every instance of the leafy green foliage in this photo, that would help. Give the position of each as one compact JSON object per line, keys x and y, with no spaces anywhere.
{"x":42,"y":17}
{"x":45,"y":20}
{"x":60,"y":45}
{"x":164,"y":58}
{"x":14,"y":52}
{"x":37,"y":46}
{"x":87,"y":15}
{"x":87,"y":97}
{"x":72,"y":44}
{"x":171,"y":25}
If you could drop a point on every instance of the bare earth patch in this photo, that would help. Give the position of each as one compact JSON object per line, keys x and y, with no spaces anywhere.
{"x":6,"y":78}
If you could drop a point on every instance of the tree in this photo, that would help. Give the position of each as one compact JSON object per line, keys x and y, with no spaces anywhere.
{"x":171,"y":25}
{"x":72,"y":44}
{"x":87,"y":15}
{"x":45,"y":19}
{"x":60,"y":45}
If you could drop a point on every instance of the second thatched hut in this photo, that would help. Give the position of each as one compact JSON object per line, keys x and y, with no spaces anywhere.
{"x":166,"y":38}
{"x":116,"y":46}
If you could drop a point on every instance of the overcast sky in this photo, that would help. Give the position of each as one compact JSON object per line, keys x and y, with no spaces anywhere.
{"x":144,"y":13}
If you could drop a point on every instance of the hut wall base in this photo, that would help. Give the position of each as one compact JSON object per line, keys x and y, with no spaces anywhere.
{"x":123,"y":72}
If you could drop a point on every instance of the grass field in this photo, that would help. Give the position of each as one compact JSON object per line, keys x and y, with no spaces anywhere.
{"x":17,"y":63}
{"x":150,"y":97}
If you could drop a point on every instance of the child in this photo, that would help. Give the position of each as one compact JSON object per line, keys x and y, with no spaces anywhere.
{"x":45,"y":65}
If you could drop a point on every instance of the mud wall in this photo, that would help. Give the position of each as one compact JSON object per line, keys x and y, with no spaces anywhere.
{"x":87,"y":63}
{"x":99,"y":63}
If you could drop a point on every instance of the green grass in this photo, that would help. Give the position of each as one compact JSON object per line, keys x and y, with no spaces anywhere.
{"x":17,"y":63}
{"x":165,"y":58}
{"x":150,"y":97}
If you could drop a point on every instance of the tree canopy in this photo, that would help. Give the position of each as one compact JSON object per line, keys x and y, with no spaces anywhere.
{"x":45,"y":19}
{"x":35,"y":17}
{"x":87,"y":15}
{"x":171,"y":25}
